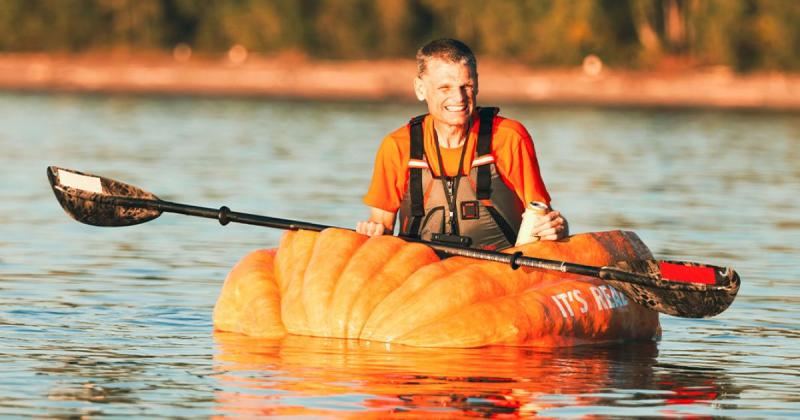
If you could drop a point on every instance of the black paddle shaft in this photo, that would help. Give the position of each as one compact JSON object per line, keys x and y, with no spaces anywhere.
{"x":225,"y":215}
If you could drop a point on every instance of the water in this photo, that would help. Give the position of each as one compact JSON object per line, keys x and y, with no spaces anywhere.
{"x":117,"y":321}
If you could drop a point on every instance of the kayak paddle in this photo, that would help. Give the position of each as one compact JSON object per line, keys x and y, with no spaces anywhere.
{"x":677,"y":288}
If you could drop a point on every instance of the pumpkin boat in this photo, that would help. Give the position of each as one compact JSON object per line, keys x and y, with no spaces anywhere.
{"x":339,"y":284}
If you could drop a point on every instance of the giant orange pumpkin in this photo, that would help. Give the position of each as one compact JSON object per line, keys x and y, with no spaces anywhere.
{"x":340,"y":284}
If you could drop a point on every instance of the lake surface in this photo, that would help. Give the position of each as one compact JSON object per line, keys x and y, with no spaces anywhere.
{"x":117,"y":321}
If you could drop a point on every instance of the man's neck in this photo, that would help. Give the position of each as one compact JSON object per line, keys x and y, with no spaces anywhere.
{"x":451,"y":135}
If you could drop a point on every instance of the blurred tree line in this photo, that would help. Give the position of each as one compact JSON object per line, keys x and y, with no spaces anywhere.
{"x":744,"y":34}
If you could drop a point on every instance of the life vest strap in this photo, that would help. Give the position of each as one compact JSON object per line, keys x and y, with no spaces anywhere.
{"x":484,"y":184}
{"x":415,"y":176}
{"x":483,"y":188}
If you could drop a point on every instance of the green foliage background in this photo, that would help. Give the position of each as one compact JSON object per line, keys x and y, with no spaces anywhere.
{"x":744,"y":34}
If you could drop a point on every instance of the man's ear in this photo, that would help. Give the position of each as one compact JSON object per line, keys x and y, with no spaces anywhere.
{"x":419,"y":88}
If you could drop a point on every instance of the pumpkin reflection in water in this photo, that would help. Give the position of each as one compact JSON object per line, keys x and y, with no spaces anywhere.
{"x":344,"y":285}
{"x":308,"y":376}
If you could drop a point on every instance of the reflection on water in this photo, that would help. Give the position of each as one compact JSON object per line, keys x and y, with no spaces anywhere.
{"x":117,"y":321}
{"x":329,"y":375}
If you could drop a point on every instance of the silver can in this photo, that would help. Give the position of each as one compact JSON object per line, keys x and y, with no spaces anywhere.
{"x":530,"y":218}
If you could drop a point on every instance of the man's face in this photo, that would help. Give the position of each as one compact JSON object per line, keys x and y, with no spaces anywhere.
{"x":449,"y":89}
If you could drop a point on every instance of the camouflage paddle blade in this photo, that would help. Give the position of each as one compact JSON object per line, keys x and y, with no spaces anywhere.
{"x":98,"y":201}
{"x":684,"y":289}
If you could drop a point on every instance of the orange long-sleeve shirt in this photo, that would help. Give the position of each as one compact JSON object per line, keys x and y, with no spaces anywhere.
{"x":512,"y":148}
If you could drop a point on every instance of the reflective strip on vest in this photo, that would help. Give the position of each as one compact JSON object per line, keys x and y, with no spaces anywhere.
{"x":482,"y":160}
{"x":416,"y":163}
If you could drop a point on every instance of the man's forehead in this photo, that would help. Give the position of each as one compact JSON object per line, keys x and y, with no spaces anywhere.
{"x":442,"y":64}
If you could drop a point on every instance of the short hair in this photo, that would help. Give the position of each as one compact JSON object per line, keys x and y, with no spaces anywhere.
{"x":451,"y":50}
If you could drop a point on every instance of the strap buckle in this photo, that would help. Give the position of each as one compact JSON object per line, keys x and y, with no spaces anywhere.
{"x":448,"y":239}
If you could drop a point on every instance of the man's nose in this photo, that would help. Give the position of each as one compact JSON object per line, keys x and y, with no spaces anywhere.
{"x":463,"y":94}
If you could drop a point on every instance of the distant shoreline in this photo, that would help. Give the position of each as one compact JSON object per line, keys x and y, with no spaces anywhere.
{"x":297,"y":77}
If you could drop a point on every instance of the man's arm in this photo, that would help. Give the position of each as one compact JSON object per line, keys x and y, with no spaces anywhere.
{"x":381,"y":222}
{"x":518,"y":165}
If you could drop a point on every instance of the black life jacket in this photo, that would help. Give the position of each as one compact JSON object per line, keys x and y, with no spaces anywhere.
{"x":485,"y":213}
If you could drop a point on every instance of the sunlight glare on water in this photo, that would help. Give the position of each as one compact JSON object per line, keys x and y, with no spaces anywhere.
{"x":117,"y":321}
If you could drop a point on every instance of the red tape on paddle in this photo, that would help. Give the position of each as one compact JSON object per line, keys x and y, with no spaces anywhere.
{"x":687,"y":273}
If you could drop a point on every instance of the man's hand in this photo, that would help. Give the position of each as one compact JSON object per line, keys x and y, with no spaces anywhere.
{"x":370,"y":228}
{"x":552,"y":226}
{"x":380,"y":222}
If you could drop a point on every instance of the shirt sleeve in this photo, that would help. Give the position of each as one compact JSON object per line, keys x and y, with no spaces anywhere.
{"x":388,"y":177}
{"x":517,"y":163}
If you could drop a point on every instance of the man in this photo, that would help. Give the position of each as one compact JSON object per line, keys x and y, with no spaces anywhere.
{"x":459,"y":174}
